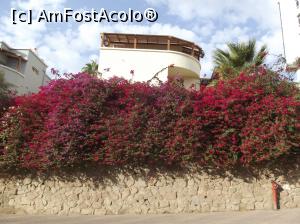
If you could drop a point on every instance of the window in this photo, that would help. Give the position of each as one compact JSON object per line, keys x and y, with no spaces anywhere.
{"x":12,"y":62}
{"x":35,"y":71}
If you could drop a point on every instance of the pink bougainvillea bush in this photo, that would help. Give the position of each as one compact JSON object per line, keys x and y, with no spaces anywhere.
{"x":85,"y":121}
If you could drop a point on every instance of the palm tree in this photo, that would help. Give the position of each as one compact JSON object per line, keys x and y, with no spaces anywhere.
{"x":91,"y":68}
{"x":240,"y":56}
{"x":295,"y":66}
{"x":5,"y":94}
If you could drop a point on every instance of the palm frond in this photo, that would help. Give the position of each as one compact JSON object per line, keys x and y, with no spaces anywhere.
{"x":238,"y":57}
{"x":91,"y":68}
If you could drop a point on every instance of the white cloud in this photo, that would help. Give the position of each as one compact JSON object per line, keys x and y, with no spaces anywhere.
{"x":93,"y":57}
{"x":155,"y":28}
{"x":229,"y":34}
{"x":38,"y":4}
{"x":21,"y":34}
{"x":231,"y":11}
{"x":205,"y":30}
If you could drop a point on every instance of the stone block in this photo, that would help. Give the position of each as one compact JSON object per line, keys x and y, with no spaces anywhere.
{"x":74,"y":211}
{"x":218,"y":206}
{"x":27,"y":181}
{"x":164,"y":204}
{"x":196,"y":201}
{"x":140,"y":183}
{"x":232,"y":207}
{"x":236,"y":196}
{"x":87,"y":211}
{"x":297,"y":201}
{"x":173,"y":205}
{"x":247,"y":206}
{"x":180,"y":183}
{"x":25,"y":201}
{"x":205,"y":207}
{"x":101,"y":211}
{"x":125,"y":193}
{"x":167,"y":193}
{"x":193,"y":190}
{"x":11,"y":202}
{"x":259,"y":205}
{"x":259,"y":198}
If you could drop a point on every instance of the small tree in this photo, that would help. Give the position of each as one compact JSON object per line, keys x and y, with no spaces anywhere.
{"x":240,"y":56}
{"x":295,"y":66}
{"x":91,"y":68}
{"x":5,"y":94}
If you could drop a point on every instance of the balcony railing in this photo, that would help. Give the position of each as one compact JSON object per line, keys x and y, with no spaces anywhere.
{"x":155,"y":42}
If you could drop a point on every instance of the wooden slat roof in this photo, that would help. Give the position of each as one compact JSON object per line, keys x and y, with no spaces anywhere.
{"x":122,"y":38}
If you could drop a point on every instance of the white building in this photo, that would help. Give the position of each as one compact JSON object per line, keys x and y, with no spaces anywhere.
{"x":23,"y":69}
{"x":141,"y":57}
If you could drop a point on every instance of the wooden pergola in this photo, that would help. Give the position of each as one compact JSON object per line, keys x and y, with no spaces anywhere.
{"x":158,"y":42}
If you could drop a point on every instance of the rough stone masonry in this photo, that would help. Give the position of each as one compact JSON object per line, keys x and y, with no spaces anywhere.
{"x":130,"y":194}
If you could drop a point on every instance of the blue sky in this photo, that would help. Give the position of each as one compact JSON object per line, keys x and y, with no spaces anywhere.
{"x":209,"y":23}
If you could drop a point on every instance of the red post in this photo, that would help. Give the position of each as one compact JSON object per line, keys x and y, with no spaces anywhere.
{"x":275,"y":194}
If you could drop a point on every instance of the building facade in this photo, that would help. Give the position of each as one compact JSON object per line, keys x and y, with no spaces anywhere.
{"x":23,"y":69}
{"x":144,"y":57}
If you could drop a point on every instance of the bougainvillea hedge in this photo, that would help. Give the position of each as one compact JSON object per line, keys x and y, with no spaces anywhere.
{"x":88,"y":121}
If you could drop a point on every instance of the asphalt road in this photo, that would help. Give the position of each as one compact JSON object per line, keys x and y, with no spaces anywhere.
{"x":289,"y":216}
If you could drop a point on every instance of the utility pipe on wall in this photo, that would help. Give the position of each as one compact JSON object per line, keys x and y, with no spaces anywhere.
{"x":275,"y":188}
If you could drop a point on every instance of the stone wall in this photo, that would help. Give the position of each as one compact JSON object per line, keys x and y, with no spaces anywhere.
{"x":141,"y":194}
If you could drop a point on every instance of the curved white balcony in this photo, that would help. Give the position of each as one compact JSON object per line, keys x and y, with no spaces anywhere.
{"x":13,"y":77}
{"x":143,"y":64}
